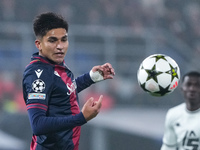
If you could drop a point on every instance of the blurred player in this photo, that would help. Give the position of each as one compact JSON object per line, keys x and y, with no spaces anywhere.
{"x":182,"y":125}
{"x":51,"y":92}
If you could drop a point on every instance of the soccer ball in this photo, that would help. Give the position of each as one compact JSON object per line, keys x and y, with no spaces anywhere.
{"x":158,"y":75}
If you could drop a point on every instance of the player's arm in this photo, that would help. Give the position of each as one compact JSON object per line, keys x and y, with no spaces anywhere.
{"x":165,"y":147}
{"x":169,"y":138}
{"x":97,"y":73}
{"x":84,"y":81}
{"x":37,"y":86}
{"x":41,"y":124}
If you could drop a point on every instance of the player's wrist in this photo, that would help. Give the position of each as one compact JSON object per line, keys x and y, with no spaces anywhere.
{"x":96,"y":76}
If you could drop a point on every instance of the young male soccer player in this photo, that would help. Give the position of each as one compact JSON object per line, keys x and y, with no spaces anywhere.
{"x":182,"y":125}
{"x":51,"y":92}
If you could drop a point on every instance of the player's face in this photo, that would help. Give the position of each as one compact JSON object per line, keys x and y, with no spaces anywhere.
{"x":53,"y":45}
{"x":191,"y":89}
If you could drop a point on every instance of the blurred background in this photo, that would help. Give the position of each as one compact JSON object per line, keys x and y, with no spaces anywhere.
{"x":122,"y":32}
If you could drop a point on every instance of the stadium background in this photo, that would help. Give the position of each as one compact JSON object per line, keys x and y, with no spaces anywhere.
{"x":122,"y":32}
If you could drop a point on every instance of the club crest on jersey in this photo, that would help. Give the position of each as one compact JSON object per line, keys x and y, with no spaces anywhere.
{"x":38,"y":86}
{"x":38,"y":72}
{"x":71,"y":88}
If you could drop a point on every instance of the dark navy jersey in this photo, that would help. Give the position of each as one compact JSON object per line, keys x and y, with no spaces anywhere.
{"x":50,"y":93}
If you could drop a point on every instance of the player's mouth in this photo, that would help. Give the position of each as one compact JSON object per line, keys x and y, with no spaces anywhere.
{"x":59,"y":54}
{"x":192,"y":94}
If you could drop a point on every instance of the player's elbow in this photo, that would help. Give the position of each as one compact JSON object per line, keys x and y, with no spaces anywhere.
{"x":37,"y":130}
{"x":38,"y":126}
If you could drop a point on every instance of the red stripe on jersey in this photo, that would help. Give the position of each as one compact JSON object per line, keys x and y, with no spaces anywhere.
{"x":37,"y":105}
{"x":38,"y":59}
{"x":33,"y":143}
{"x":76,"y":131}
{"x":73,"y":102}
{"x":42,"y":60}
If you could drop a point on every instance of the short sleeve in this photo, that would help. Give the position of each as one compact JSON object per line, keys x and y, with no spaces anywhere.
{"x":169,"y":137}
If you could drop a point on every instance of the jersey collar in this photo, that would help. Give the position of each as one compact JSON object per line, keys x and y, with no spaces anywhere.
{"x":36,"y":57}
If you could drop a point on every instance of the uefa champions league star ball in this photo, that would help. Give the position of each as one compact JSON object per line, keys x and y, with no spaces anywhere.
{"x":158,"y":75}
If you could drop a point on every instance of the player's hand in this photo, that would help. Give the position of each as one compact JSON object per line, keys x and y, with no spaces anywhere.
{"x":102,"y":72}
{"x":91,"y":108}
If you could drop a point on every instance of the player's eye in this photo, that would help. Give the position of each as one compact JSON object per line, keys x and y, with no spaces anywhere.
{"x":52,"y":39}
{"x":64,"y":39}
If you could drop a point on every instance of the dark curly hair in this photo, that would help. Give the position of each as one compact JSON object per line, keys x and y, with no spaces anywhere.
{"x":47,"y":21}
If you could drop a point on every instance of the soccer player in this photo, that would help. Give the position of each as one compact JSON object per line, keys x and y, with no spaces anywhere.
{"x":51,"y":91}
{"x":182,"y":125}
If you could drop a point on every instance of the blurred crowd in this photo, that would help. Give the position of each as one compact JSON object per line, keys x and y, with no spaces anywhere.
{"x":178,"y":17}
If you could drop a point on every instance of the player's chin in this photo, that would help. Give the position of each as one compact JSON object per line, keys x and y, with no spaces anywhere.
{"x":58,"y":60}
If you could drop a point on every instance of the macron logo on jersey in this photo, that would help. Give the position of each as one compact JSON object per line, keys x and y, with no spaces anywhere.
{"x":38,"y":72}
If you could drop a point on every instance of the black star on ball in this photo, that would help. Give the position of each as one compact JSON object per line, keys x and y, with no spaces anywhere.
{"x":158,"y":57}
{"x":173,"y":72}
{"x":153,"y":73}
{"x":163,"y":91}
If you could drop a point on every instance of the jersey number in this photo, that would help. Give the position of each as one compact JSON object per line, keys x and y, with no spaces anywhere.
{"x":191,"y":141}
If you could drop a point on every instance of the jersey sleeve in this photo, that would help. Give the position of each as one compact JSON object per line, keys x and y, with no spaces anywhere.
{"x":41,"y":124}
{"x":83,"y":82}
{"x":169,"y":138}
{"x":165,"y":147}
{"x":37,"y":87}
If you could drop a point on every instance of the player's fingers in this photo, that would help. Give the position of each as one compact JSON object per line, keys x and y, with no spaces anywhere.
{"x":109,"y":77}
{"x":112,"y":71}
{"x":99,"y":102}
{"x":109,"y":68}
{"x":97,"y":68}
{"x":90,"y":101}
{"x":107,"y":65}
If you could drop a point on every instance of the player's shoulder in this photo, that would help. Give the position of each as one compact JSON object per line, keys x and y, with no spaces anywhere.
{"x":178,"y":107}
{"x":38,"y":70}
{"x":38,"y":66}
{"x":176,"y":111}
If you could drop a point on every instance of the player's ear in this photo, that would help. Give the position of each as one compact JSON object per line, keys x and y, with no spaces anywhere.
{"x":38,"y":44}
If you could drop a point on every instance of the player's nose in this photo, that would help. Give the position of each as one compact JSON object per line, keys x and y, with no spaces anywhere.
{"x":60,"y":45}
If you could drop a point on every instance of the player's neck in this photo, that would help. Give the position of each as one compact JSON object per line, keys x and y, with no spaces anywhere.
{"x":192,"y":107}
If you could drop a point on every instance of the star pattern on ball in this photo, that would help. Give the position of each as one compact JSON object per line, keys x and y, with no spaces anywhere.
{"x":153,"y":73}
{"x":143,"y":87}
{"x":158,"y":57}
{"x":163,"y":91}
{"x":173,"y":72}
